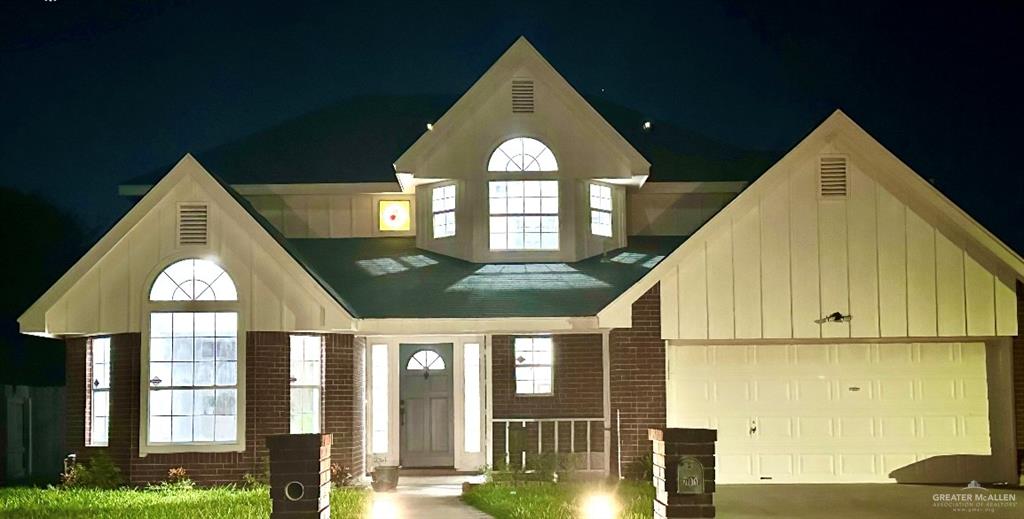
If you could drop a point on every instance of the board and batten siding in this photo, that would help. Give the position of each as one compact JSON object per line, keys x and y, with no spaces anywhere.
{"x":350,"y":215}
{"x":771,"y":267}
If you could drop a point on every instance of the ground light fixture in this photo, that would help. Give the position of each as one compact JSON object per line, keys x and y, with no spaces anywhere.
{"x":599,"y":505}
{"x":384,"y":507}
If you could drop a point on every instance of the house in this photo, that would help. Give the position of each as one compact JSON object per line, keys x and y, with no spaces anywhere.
{"x":523,"y":283}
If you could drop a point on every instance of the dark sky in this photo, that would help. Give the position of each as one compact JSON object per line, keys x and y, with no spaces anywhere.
{"x":94,"y":93}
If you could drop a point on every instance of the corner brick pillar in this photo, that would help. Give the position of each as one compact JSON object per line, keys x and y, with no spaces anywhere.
{"x":687,"y":454}
{"x":300,"y":476}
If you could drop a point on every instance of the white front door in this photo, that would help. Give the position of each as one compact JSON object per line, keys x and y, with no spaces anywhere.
{"x":817,"y":413}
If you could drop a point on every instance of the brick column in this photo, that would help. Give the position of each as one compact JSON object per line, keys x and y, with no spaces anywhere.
{"x":689,"y":454}
{"x":637,"y":357}
{"x":343,"y":400}
{"x":1018,"y":379}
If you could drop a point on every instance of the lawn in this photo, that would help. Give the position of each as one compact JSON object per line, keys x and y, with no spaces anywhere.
{"x":223,"y":502}
{"x":528,"y":500}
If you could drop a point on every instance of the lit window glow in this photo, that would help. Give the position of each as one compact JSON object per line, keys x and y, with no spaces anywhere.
{"x":533,"y":359}
{"x":379,"y":397}
{"x":471,"y":372}
{"x":425,"y":360}
{"x":100,"y":403}
{"x":193,"y":280}
{"x":444,"y":211}
{"x":193,"y":371}
{"x":522,"y":154}
{"x":524,"y":215}
{"x":305,"y":369}
{"x":601,"y":210}
{"x":395,"y":215}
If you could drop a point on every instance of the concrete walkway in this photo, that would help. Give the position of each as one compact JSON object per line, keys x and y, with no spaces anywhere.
{"x":425,"y":497}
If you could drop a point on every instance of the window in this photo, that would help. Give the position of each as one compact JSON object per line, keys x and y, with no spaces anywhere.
{"x":193,"y":356}
{"x":395,"y":215}
{"x":471,"y":408}
{"x":305,"y":380}
{"x":533,"y":357}
{"x":379,"y":395}
{"x":425,"y":360}
{"x":99,"y":421}
{"x":601,"y":210}
{"x":444,"y":211}
{"x":522,"y":154}
{"x":524,"y":215}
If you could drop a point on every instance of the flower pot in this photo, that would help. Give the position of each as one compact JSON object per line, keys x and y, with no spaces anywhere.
{"x":384,"y":478}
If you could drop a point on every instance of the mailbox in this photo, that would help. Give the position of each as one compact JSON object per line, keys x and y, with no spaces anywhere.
{"x":689,"y":476}
{"x":300,"y":476}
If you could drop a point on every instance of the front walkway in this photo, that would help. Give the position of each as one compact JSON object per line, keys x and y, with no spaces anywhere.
{"x":862,"y":501}
{"x":425,"y":497}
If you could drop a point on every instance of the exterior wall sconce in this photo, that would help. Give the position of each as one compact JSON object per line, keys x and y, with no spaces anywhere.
{"x":835,"y":317}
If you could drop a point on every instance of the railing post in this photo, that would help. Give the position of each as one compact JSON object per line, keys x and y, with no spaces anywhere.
{"x":588,"y":445}
{"x":507,"y":460}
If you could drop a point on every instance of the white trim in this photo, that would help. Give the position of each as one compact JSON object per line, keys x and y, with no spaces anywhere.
{"x":495,"y":325}
{"x":313,"y":188}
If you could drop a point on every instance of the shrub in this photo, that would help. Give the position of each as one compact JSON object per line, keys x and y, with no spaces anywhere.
{"x":642,"y":469}
{"x":98,"y":472}
{"x":250,"y":482}
{"x":341,"y":476}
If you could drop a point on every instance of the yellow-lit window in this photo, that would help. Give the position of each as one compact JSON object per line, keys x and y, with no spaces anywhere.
{"x":395,"y":215}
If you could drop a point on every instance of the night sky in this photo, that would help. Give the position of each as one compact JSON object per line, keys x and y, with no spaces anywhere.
{"x":95,"y":93}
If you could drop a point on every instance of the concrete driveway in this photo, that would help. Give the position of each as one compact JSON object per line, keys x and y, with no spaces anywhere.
{"x":878,"y":501}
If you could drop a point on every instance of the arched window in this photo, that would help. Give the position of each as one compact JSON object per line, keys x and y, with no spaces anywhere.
{"x":193,"y":356}
{"x":193,"y":280}
{"x":425,"y":360}
{"x":522,"y":154}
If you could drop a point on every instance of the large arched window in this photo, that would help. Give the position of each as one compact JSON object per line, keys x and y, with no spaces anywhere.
{"x":193,"y":356}
{"x":522,"y":154}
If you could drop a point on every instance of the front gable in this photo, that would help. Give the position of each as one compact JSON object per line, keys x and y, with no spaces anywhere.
{"x":460,"y":142}
{"x":892,"y":254}
{"x":104,"y":292}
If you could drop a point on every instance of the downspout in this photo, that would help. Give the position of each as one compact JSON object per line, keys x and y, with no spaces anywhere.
{"x":606,"y":368}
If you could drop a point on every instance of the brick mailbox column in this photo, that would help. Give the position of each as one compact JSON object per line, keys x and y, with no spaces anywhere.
{"x":684,"y":472}
{"x":300,"y":476}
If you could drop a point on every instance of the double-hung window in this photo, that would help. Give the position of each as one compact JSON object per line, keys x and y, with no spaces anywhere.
{"x":306,"y":375}
{"x":601,"y":210}
{"x":99,"y":408}
{"x":193,"y":356}
{"x":534,"y":364}
{"x":444,"y":211}
{"x":524,"y":215}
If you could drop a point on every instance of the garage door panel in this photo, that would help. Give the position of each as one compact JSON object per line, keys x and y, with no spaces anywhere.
{"x":831,"y":413}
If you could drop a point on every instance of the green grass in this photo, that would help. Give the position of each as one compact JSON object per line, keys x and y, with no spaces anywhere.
{"x":528,"y":500}
{"x":226,"y":502}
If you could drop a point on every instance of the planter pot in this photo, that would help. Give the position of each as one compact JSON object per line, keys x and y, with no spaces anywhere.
{"x":384,"y":478}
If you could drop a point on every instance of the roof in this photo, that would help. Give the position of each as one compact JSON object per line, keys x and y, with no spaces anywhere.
{"x":358,"y":140}
{"x":392,"y":278}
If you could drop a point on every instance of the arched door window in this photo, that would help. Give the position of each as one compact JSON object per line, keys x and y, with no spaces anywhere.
{"x":428,"y":360}
{"x":193,"y":355}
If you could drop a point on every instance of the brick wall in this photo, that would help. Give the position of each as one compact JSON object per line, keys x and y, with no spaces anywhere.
{"x":1018,"y":377}
{"x":266,"y":409}
{"x":343,"y":400}
{"x":638,"y":379}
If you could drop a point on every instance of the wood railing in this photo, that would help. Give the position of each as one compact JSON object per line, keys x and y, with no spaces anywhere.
{"x":548,"y":437}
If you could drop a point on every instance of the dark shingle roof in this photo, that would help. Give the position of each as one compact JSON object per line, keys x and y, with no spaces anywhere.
{"x":358,"y":140}
{"x":391,"y":278}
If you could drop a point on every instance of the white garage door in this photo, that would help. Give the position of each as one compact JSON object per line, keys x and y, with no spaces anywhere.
{"x":830,"y":413}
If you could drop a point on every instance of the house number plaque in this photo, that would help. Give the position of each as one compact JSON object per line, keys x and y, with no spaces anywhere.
{"x":689,"y":476}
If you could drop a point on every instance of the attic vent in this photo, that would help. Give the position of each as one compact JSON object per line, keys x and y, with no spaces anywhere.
{"x":522,"y":96}
{"x":832,"y":176}
{"x":192,"y":220}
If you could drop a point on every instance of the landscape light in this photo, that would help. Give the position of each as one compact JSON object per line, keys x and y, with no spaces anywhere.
{"x":599,"y":506}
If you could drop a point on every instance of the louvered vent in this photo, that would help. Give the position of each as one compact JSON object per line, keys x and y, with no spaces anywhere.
{"x":522,"y":96}
{"x":192,"y":224}
{"x":832,"y":177}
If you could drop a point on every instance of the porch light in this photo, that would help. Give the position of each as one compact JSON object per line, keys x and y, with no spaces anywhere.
{"x":647,"y":126}
{"x":599,"y":506}
{"x":430,"y":127}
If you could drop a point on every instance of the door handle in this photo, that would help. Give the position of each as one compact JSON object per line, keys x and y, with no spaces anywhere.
{"x":401,"y":413}
{"x":753,"y":428}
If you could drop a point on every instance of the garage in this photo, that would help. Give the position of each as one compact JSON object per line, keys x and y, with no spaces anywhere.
{"x":828,"y":413}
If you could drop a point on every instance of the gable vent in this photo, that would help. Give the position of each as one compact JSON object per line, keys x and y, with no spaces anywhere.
{"x":832,"y":177}
{"x":522,"y":96}
{"x":192,"y":224}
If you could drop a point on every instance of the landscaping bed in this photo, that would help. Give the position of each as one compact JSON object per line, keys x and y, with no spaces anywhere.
{"x":156,"y":503}
{"x":529,"y":500}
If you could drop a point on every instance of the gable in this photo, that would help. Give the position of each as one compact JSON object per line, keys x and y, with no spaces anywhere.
{"x":463,"y":138}
{"x":104,"y":292}
{"x":893,"y":254}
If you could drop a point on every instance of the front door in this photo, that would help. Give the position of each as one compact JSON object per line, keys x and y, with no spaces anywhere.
{"x":426,"y":406}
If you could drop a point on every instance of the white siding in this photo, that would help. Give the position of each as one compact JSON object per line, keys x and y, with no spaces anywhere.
{"x":329,"y":216}
{"x":781,"y":258}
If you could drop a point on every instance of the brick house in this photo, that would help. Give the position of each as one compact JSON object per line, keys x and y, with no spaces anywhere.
{"x":524,"y":281}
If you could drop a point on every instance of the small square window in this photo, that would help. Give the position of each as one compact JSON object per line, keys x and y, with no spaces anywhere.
{"x":534,"y":362}
{"x":395,"y":215}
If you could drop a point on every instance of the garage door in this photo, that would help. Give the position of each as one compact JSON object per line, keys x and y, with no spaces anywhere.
{"x":830,"y":413}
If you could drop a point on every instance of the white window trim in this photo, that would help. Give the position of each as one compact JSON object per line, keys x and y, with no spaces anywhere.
{"x":93,"y":390}
{"x":610,"y":211}
{"x":434,"y":212}
{"x":516,"y":392}
{"x":148,"y":307}
{"x":319,"y":386}
{"x":557,"y":215}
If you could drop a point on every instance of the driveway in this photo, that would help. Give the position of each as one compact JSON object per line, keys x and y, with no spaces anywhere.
{"x":425,"y":497}
{"x":867,"y":501}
